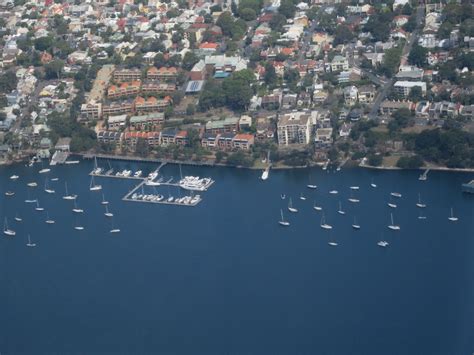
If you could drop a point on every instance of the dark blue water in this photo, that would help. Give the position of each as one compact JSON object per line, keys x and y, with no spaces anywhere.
{"x":224,"y":277}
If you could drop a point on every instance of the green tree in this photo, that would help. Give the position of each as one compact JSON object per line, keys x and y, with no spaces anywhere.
{"x":43,"y":43}
{"x":277,"y":22}
{"x":417,"y":55}
{"x":415,"y":95}
{"x":270,"y":78}
{"x":54,"y":69}
{"x":413,"y":162}
{"x":142,"y":149}
{"x":287,"y":8}
{"x":248,"y":14}
{"x":189,"y":59}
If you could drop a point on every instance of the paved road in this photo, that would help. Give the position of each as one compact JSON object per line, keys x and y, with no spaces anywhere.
{"x":420,"y":12}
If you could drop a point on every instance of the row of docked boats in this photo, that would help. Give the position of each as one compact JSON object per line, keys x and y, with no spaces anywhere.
{"x":158,"y":198}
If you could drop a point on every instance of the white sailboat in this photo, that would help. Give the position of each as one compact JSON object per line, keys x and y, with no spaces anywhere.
{"x":30,"y":244}
{"x":67,"y":196}
{"x":114,"y":229}
{"x":93,"y":186}
{"x":391,"y":204}
{"x":354,"y":187}
{"x":32,"y":184}
{"x":372,"y":184}
{"x":316,"y":207}
{"x":311,"y":185}
{"x":420,"y":204}
{"x":340,"y":210}
{"x":352,"y":198}
{"x":55,"y":179}
{"x":392,"y":225}
{"x":333,"y":244}
{"x":44,"y":171}
{"x":421,"y":215}
{"x":104,"y":201}
{"x":291,"y":208}
{"x":78,"y":227}
{"x":396,"y":194}
{"x":49,"y":220}
{"x":282,"y":222}
{"x":6,"y":230}
{"x":18,"y":218}
{"x":107,"y":213}
{"x":324,"y":225}
{"x":38,"y":208}
{"x":302,"y":197}
{"x":77,"y":209}
{"x":452,"y":218}
{"x":29,"y":199}
{"x":47,"y":189}
{"x":355,"y":225}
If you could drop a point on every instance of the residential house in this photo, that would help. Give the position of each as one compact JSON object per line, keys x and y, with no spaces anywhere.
{"x":209,"y":140}
{"x":91,"y":110}
{"x":351,"y":95}
{"x":323,"y":137}
{"x":127,"y":75}
{"x":151,"y":104}
{"x":117,"y":108}
{"x":388,"y":107}
{"x":367,"y":94}
{"x":109,"y":137}
{"x":225,"y":141}
{"x":149,"y":122}
{"x":163,"y":73}
{"x":124,"y":89}
{"x":339,"y":63}
{"x":227,"y":125}
{"x":117,"y":122}
{"x":243,"y":141}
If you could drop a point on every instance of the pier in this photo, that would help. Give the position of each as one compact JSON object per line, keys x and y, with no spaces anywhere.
{"x":189,"y":201}
{"x":424,"y":176}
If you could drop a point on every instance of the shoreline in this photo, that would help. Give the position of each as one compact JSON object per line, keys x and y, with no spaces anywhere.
{"x":211,"y":163}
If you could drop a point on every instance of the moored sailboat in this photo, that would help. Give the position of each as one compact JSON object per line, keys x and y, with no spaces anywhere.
{"x":282,"y":222}
{"x":452,"y":218}
{"x":7,"y":230}
{"x":30,"y":243}
{"x":392,"y":225}
{"x":323,"y":224}
{"x":290,"y":207}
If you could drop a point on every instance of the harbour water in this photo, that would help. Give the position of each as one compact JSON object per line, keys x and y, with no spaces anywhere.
{"x":225,"y":277}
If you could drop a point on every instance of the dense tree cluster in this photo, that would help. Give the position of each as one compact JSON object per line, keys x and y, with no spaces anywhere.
{"x":451,"y":147}
{"x":234,"y":92}
{"x":232,"y":28}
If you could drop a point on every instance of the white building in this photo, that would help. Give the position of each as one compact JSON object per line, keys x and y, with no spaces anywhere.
{"x":404,"y":87}
{"x":294,"y":128}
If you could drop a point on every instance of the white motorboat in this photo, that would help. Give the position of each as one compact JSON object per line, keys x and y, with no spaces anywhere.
{"x":195,"y":183}
{"x":392,"y":225}
{"x":14,"y":177}
{"x":44,"y":171}
{"x":333,"y":244}
{"x":9,"y":193}
{"x":115,"y":230}
{"x":333,"y":192}
{"x":32,"y":184}
{"x":55,"y":179}
{"x":265,"y":174}
{"x":391,"y":205}
{"x":30,"y":243}
{"x":6,"y":230}
{"x":382,"y":243}
{"x":354,"y":187}
{"x":372,"y":184}
{"x":310,"y":186}
{"x":396,"y":194}
{"x":79,"y":228}
{"x":282,"y":222}
{"x":452,"y":218}
{"x":137,"y":174}
{"x":291,"y":208}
